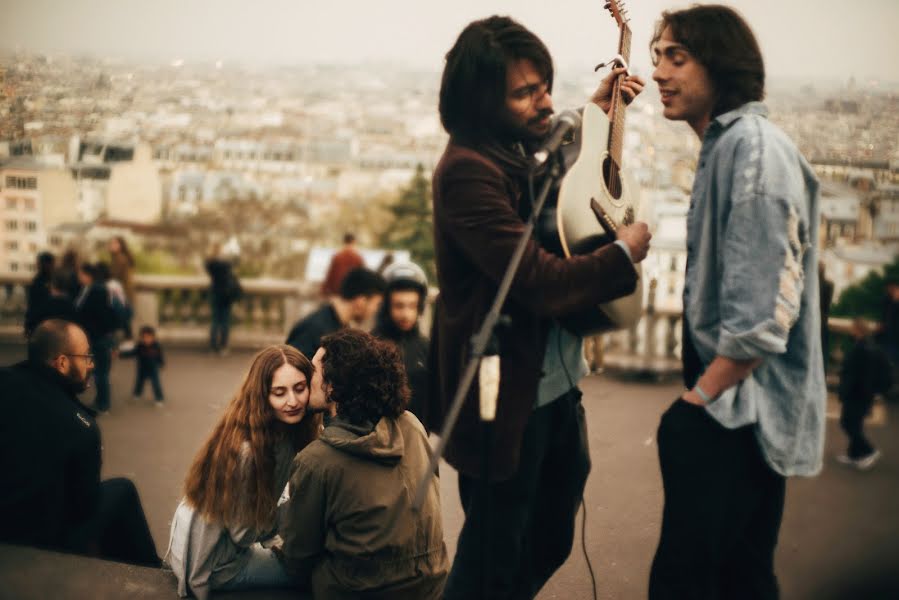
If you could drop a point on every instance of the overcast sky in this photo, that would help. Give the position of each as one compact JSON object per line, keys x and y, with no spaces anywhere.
{"x":803,"y":39}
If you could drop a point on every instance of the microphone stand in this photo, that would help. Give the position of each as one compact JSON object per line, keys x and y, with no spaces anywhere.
{"x":482,"y":338}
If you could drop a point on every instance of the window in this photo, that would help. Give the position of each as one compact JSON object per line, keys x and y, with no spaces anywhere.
{"x":32,"y":247}
{"x":14,"y":267}
{"x":12,"y":225}
{"x":12,"y":245}
{"x":21,"y":183}
{"x":55,"y":240}
{"x":31,"y":225}
{"x":29,"y":203}
{"x":11,"y":203}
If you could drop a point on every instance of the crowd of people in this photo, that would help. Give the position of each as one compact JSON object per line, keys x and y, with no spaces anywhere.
{"x":308,"y":477}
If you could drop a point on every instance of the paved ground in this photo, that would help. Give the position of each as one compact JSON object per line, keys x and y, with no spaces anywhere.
{"x":840,"y":535}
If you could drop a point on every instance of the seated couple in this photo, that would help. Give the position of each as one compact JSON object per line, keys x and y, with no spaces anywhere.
{"x":272,"y":500}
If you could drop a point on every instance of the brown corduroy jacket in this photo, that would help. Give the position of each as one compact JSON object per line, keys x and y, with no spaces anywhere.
{"x":476,"y":228}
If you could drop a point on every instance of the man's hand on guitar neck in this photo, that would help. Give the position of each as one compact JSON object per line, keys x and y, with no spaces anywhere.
{"x":631,"y":85}
{"x":637,"y":237}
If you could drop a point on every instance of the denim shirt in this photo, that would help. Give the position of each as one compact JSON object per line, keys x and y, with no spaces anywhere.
{"x":751,"y":288}
{"x":564,"y":365}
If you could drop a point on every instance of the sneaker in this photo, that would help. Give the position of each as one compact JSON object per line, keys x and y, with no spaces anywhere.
{"x":135,"y":398}
{"x":866,"y":462}
{"x":862,"y":463}
{"x":159,"y":404}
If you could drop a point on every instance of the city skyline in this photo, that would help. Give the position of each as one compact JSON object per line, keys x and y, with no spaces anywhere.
{"x":806,"y":41}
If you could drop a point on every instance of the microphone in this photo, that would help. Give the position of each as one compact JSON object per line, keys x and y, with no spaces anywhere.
{"x":568,"y":121}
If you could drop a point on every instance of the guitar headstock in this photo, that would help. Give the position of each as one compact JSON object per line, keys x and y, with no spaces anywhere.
{"x":618,"y":11}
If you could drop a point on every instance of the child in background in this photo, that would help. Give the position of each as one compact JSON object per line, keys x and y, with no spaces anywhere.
{"x":149,"y":361}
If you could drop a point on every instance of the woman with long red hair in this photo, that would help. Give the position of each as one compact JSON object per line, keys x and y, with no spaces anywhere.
{"x":224,"y":527}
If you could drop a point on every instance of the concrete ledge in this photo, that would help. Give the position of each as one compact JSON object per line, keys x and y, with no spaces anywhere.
{"x":34,"y":574}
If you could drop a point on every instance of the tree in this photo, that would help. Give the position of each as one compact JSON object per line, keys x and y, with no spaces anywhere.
{"x":412,"y":226}
{"x":865,"y":299}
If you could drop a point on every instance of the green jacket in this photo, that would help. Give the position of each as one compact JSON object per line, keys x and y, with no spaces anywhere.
{"x":347,"y":523}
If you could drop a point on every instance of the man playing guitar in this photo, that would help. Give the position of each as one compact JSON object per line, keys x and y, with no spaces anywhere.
{"x":496,"y":105}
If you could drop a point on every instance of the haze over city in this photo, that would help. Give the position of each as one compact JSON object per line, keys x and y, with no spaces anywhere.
{"x":805,"y":40}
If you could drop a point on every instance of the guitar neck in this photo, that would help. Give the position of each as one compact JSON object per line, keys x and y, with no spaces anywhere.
{"x":616,"y":137}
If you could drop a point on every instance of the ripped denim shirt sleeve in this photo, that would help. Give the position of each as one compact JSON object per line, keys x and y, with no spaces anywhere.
{"x":762,"y":276}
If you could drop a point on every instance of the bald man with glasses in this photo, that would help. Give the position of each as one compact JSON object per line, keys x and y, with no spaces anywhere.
{"x":50,"y":458}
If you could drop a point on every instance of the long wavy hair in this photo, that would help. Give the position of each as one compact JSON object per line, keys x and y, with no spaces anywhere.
{"x":473,"y":86}
{"x":123,"y":249}
{"x":227,"y":485}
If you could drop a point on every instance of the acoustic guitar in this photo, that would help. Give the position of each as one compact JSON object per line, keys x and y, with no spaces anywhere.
{"x":596,"y":196}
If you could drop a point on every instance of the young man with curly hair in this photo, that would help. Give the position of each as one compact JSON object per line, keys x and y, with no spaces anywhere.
{"x":346,"y":518}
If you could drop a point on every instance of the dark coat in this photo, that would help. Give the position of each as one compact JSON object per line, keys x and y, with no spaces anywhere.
{"x":49,"y":458}
{"x":54,"y":307}
{"x":306,"y":335}
{"x":413,"y":346}
{"x":96,"y":314}
{"x":347,"y":522}
{"x":149,"y":357}
{"x":38,"y":294}
{"x":476,"y":228}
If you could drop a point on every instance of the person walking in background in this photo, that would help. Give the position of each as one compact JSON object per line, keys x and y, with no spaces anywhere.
{"x":344,"y":261}
{"x":96,"y":315}
{"x":122,"y":270}
{"x":39,"y":290}
{"x":865,"y":372}
{"x":753,"y":410}
{"x":826,"y":297}
{"x":360,"y":295}
{"x":69,"y":267}
{"x":222,"y":529}
{"x":398,"y":322}
{"x":224,"y":291}
{"x":50,"y":457}
{"x":149,"y":357}
{"x":117,"y":300}
{"x":58,"y":305}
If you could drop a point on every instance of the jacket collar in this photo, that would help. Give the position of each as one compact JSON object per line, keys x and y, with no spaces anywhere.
{"x":724,"y":120}
{"x":56,"y":379}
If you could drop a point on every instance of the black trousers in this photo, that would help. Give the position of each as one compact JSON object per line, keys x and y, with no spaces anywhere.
{"x":852,"y":420}
{"x":118,"y":529}
{"x":723,"y":508}
{"x":153,"y":375}
{"x":529,"y":519}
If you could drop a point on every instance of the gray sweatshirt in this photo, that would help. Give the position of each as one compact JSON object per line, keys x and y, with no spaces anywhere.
{"x":206,"y":555}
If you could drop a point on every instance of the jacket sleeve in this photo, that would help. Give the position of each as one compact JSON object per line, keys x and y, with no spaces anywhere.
{"x":475,"y":212}
{"x":83,"y":476}
{"x":302,"y":521}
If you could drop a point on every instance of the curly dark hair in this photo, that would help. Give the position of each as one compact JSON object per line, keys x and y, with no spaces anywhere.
{"x":366,"y":376}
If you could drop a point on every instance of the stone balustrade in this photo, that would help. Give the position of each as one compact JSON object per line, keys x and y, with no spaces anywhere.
{"x":178,"y":306}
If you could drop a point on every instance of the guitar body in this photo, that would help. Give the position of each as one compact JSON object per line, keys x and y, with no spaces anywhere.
{"x":584,"y":198}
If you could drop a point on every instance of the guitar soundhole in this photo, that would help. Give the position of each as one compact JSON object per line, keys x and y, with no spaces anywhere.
{"x":612,"y":177}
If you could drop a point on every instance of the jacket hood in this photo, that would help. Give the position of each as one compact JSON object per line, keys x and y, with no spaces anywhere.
{"x":382,"y":442}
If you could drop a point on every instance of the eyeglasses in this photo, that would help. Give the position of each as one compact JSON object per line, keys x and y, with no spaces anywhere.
{"x":88,"y":357}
